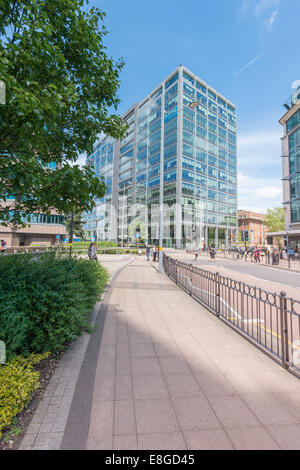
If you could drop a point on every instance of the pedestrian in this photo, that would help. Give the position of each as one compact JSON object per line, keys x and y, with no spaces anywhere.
{"x":212,"y":253}
{"x":243,"y":252}
{"x":3,"y":246}
{"x":154,"y":252}
{"x":196,"y":255}
{"x":250,"y":253}
{"x":291,"y":254}
{"x":257,"y":255}
{"x":92,"y":252}
{"x":148,"y":252}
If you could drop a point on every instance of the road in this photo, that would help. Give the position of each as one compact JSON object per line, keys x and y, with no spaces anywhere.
{"x":249,"y":270}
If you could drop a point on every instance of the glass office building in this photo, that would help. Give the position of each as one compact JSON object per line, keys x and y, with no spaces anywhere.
{"x":180,"y":158}
{"x":291,"y":167}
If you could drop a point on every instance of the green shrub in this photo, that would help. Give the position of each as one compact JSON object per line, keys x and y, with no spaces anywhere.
{"x":87,"y":244}
{"x":45,"y":302}
{"x":18,"y":382}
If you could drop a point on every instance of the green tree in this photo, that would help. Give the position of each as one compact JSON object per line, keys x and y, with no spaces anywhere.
{"x":274,"y":219}
{"x":77,"y":225}
{"x":60,"y":89}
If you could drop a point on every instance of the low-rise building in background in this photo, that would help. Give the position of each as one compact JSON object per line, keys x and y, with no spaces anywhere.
{"x":252,"y":228}
{"x":43,"y":230}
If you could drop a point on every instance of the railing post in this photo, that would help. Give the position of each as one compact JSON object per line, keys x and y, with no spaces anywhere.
{"x":284,"y":331}
{"x":176,"y":272}
{"x":217,"y":295}
{"x":191,"y":279}
{"x":243,"y":307}
{"x":258,"y":315}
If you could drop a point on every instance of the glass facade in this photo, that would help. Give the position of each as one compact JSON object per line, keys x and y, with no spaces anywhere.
{"x":175,"y":154}
{"x":102,"y":160}
{"x":294,"y":162}
{"x":44,"y":219}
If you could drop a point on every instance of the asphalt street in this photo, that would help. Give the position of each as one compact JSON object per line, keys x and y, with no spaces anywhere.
{"x":253,"y":270}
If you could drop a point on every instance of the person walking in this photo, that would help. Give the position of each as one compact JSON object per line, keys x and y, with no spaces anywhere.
{"x":247,"y":254}
{"x":196,"y":255}
{"x":256,"y":255}
{"x":212,"y":253}
{"x":148,"y":252}
{"x":92,"y":252}
{"x":250,"y":253}
{"x":154,"y":253}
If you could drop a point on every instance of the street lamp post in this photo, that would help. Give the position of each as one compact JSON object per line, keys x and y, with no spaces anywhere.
{"x":287,"y":249}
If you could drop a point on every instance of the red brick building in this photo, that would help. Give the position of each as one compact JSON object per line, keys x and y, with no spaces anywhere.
{"x":252,"y":222}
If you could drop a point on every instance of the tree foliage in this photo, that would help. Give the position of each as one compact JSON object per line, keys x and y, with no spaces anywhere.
{"x":60,"y":89}
{"x":76,"y":225}
{"x":275,"y":219}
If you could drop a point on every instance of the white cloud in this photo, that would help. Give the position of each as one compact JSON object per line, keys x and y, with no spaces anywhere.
{"x":270,"y":21}
{"x":258,"y":193}
{"x":260,"y":9}
{"x":256,"y":140}
{"x":259,"y":152}
{"x":264,"y":5}
{"x":259,"y":165}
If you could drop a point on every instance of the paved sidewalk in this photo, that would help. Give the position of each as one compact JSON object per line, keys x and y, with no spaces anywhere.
{"x":170,"y":375}
{"x":47,"y":426}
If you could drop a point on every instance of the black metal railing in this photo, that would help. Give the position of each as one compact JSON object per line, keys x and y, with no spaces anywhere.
{"x":269,"y":320}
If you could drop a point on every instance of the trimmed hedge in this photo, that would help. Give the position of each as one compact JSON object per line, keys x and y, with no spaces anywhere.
{"x":87,"y":244}
{"x":45,"y":301}
{"x":18,"y":382}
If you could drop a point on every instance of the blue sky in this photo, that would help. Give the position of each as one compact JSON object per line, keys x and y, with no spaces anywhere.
{"x":248,"y":50}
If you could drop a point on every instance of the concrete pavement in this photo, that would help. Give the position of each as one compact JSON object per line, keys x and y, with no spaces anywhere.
{"x":161,"y":372}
